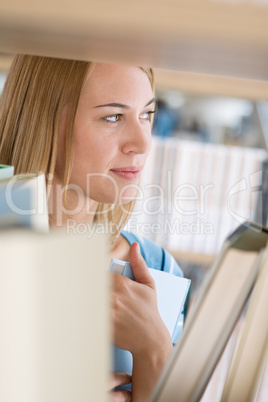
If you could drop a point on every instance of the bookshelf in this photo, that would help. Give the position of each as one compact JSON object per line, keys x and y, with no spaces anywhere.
{"x":194,"y":83}
{"x":203,"y":47}
{"x":221,"y":46}
{"x":192,"y":195}
{"x":211,"y":85}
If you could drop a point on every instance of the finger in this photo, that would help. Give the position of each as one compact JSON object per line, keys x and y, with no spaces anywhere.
{"x":120,"y":379}
{"x":120,"y":396}
{"x":118,"y":282}
{"x":139,"y":267}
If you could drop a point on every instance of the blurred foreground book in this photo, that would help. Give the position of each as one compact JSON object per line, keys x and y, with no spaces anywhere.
{"x":53,"y":317}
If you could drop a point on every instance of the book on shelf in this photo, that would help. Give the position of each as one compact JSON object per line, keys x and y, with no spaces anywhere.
{"x":212,"y":319}
{"x":171,"y":293}
{"x":197,"y":193}
{"x":262,"y":202}
{"x":6,"y":171}
{"x":23,"y":202}
{"x":243,"y":380}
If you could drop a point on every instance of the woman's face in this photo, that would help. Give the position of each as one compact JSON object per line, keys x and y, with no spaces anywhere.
{"x":112,"y":133}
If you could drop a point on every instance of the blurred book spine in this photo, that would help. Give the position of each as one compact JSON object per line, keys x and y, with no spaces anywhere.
{"x":194,"y":194}
{"x":23,"y":202}
{"x":6,"y":171}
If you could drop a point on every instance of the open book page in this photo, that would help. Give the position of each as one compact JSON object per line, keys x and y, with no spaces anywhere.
{"x":262,"y":395}
{"x":215,"y":386}
{"x":248,"y":366}
{"x":212,"y":318}
{"x":209,"y":325}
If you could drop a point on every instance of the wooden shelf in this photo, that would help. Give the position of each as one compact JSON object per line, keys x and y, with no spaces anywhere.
{"x":200,"y":36}
{"x":5,"y":61}
{"x":193,"y":258}
{"x":203,"y":84}
{"x":194,"y":83}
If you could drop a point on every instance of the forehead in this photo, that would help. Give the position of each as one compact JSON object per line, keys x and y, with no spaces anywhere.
{"x":113,"y":83}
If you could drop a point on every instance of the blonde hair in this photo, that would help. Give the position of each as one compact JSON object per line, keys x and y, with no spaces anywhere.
{"x":36,"y":91}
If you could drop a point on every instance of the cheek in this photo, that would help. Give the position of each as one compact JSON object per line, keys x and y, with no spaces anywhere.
{"x":87,"y":145}
{"x":149,"y":142}
{"x":92,"y":154}
{"x":92,"y":143}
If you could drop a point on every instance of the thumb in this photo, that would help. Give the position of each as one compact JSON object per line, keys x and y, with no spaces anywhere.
{"x":139,"y":267}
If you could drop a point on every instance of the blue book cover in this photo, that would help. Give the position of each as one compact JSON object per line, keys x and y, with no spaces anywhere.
{"x":9,"y":217}
{"x":171,"y":294}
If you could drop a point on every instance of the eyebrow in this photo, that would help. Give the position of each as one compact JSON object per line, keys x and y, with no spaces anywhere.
{"x":153,"y":100}
{"x":122,"y":106}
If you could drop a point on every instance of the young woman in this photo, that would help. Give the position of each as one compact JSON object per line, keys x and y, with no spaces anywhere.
{"x":87,"y":126}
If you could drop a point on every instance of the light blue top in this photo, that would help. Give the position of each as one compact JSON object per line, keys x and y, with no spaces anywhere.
{"x":155,"y":256}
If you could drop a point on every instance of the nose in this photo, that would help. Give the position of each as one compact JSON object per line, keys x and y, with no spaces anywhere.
{"x":137,"y":138}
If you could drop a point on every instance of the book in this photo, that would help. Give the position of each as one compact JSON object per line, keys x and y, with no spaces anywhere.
{"x":171,"y":294}
{"x":54,"y":342}
{"x":263,"y":389}
{"x":23,"y":202}
{"x":6,"y":171}
{"x":211,"y":320}
{"x":262,"y":202}
{"x":247,"y":369}
{"x":216,"y":383}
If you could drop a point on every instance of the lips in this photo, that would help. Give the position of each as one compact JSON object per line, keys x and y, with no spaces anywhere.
{"x":128,"y":172}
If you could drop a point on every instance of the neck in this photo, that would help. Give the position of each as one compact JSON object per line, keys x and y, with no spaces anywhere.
{"x":69,"y":207}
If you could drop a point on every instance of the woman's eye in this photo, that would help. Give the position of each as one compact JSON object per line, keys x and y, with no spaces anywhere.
{"x":113,"y":118}
{"x":147,"y":115}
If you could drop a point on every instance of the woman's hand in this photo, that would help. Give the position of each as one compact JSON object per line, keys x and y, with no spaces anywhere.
{"x":138,"y":327}
{"x":120,"y":395}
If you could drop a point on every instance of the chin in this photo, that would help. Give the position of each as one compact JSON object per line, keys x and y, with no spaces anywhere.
{"x":107,"y":194}
{"x":121,"y":197}
{"x":115,"y":201}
